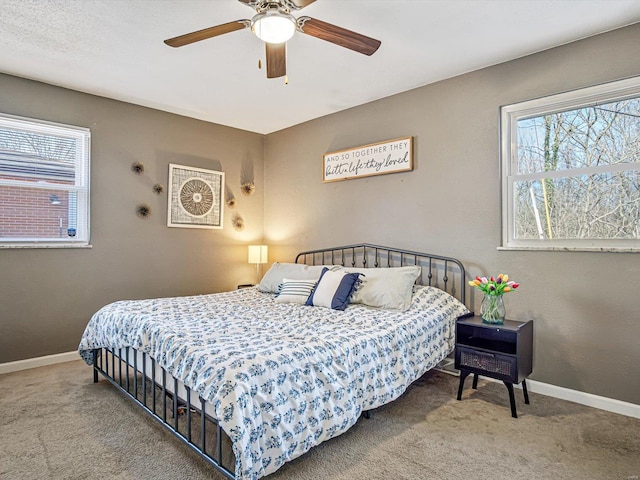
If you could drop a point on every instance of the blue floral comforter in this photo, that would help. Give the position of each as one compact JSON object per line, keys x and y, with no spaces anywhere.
{"x":281,"y":377}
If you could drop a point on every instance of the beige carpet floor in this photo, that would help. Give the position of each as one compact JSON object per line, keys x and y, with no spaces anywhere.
{"x":55,"y":423}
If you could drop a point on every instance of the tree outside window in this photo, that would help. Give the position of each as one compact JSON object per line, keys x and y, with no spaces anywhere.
{"x":570,"y":170}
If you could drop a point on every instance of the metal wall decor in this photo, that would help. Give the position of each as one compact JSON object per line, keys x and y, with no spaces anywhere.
{"x":137,"y":167}
{"x":390,"y":156}
{"x":237,"y":222}
{"x":247,"y":177}
{"x":230,"y":198}
{"x":248,"y":188}
{"x":195,"y":197}
{"x":143,"y":210}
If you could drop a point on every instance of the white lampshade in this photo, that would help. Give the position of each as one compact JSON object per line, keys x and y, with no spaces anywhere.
{"x":273,"y":26}
{"x":258,"y":253}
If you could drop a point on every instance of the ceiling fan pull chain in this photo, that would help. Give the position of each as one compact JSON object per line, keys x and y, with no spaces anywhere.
{"x":286,"y":79}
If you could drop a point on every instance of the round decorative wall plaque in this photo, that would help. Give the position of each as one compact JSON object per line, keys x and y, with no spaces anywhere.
{"x":196,"y":197}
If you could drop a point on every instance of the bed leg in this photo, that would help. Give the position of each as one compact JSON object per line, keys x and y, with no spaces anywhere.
{"x":95,"y":366}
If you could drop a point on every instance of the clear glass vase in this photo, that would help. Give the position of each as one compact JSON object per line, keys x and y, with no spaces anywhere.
{"x":492,"y":309}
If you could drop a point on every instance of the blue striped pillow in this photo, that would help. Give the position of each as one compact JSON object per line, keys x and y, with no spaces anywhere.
{"x":334,"y":289}
{"x":295,"y":291}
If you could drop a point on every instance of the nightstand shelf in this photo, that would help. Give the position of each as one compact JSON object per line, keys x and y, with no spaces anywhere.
{"x":503,"y":352}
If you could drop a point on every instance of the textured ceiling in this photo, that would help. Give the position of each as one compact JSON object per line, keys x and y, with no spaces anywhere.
{"x":114,"y":48}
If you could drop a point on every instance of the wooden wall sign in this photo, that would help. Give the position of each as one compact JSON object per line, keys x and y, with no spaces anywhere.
{"x":390,"y":156}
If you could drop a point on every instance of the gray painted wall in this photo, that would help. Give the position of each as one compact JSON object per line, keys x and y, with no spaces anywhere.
{"x":587,"y":324}
{"x":48,"y":295}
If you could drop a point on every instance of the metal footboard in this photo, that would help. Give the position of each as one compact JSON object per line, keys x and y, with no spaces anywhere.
{"x":168,"y":401}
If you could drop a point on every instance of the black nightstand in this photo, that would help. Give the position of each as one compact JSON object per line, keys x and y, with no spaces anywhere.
{"x":504,"y":352}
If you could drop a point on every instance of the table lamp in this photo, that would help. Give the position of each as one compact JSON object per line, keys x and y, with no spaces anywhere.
{"x":258,"y":255}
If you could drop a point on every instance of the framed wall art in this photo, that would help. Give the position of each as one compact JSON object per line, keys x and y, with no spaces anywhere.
{"x":195,"y":197}
{"x":390,"y":156}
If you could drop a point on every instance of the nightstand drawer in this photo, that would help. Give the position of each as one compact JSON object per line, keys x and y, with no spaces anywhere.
{"x":498,"y":366}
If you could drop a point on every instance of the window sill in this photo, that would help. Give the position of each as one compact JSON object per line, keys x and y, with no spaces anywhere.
{"x":45,"y":245}
{"x":571,"y":249}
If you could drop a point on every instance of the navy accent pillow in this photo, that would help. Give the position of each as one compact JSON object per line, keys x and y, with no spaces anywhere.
{"x":334,"y":289}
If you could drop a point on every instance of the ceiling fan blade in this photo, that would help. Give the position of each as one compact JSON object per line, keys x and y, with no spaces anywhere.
{"x":338,"y":35}
{"x":192,"y":37}
{"x":299,"y":4}
{"x":276,"y":59}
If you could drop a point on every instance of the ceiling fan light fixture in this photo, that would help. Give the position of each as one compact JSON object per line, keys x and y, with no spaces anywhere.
{"x":273,"y":26}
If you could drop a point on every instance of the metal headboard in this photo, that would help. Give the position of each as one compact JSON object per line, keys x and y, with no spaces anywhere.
{"x":445,"y":273}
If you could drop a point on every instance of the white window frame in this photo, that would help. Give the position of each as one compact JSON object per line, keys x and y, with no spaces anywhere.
{"x":509,"y":117}
{"x":82,"y":137}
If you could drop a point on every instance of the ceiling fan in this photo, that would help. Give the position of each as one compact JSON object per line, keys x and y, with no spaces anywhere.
{"x":274,"y":24}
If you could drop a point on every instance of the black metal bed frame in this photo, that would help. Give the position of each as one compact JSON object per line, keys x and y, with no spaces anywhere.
{"x":121,"y":368}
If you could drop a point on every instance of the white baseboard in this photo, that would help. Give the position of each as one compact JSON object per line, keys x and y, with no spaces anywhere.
{"x":38,"y":362}
{"x":583,"y":398}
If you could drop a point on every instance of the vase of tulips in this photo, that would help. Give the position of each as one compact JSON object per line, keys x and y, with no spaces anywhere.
{"x":492,"y":309}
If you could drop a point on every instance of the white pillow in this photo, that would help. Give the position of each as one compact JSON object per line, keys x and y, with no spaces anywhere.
{"x":278,"y":271}
{"x":295,"y":291}
{"x":432,"y":298}
{"x":389,"y":288}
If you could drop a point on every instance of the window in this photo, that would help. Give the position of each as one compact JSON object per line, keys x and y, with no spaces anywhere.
{"x":571,"y":170}
{"x":44,"y":183}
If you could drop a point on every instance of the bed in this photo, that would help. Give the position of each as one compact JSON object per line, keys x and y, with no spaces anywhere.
{"x":251,"y":379}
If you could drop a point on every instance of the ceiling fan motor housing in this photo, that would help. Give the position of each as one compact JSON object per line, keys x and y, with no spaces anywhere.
{"x":273,"y":23}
